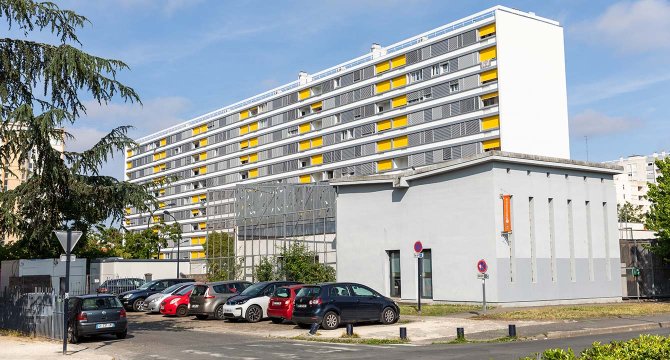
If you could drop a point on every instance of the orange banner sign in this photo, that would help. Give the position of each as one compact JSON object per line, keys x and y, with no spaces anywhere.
{"x":507,"y":213}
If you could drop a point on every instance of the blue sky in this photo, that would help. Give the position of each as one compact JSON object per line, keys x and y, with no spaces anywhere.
{"x":189,"y":57}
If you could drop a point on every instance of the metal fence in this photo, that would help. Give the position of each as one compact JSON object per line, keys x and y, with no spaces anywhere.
{"x":36,"y":313}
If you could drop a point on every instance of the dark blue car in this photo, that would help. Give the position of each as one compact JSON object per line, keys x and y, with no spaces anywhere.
{"x":96,"y":315}
{"x":134,"y":299}
{"x":333,"y":304}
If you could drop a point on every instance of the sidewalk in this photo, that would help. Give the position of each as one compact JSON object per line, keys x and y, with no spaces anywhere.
{"x":21,"y":348}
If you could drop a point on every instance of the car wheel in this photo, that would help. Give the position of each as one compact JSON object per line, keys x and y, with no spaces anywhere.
{"x":277,"y":320}
{"x":304,"y":326}
{"x":72,"y":337}
{"x":330,"y":321}
{"x":182,"y":311}
{"x":218,"y":312}
{"x":122,"y":335}
{"x":254,"y":314}
{"x":202,"y":317}
{"x":137,"y":304}
{"x":389,"y":316}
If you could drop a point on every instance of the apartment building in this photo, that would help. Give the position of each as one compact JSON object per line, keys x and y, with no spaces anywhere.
{"x":639,"y":172}
{"x":491,"y":81}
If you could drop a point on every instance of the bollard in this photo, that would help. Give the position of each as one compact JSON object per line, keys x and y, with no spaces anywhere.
{"x":350,"y":329}
{"x":403,"y":333}
{"x":313,"y":329}
{"x":511,"y":330}
{"x":460,"y":333}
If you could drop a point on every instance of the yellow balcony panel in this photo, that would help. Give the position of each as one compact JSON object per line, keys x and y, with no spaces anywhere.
{"x":305,"y":179}
{"x":488,"y":54}
{"x":304,"y":94}
{"x":487,"y":30}
{"x":399,"y":81}
{"x":161,"y":205}
{"x":316,"y":105}
{"x":129,"y":165}
{"x":244,"y":114}
{"x":383,"y":145}
{"x":491,"y":122}
{"x":303,"y":128}
{"x":244,"y":159}
{"x":398,"y":61}
{"x":382,"y":67}
{"x":253,"y":142}
{"x":316,"y":142}
{"x":317,"y":159}
{"x":400,"y":142}
{"x":202,"y":226}
{"x":304,"y":145}
{"x":253,"y":173}
{"x":383,"y":125}
{"x":399,"y":101}
{"x":491,"y":144}
{"x":244,"y":129}
{"x":202,"y":142}
{"x":129,"y":153}
{"x":195,"y":131}
{"x":195,"y":212}
{"x":202,"y":156}
{"x":195,"y":199}
{"x":383,"y":165}
{"x":244,"y":144}
{"x":400,"y":121}
{"x":128,"y":211}
{"x":163,"y":142}
{"x":203,"y":197}
{"x":161,"y":192}
{"x":253,"y":157}
{"x":383,"y":86}
{"x":253,"y":126}
{"x":488,"y":75}
{"x":203,"y":170}
{"x":489,"y":96}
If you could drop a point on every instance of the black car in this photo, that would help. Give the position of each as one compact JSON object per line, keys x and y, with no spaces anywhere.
{"x":95,"y":315}
{"x":252,"y":303}
{"x":333,"y":304}
{"x":117,"y":286}
{"x":134,"y":299}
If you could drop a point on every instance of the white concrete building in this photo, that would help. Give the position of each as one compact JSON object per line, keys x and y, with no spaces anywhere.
{"x":563,"y":245}
{"x":632,"y":184}
{"x":491,"y":81}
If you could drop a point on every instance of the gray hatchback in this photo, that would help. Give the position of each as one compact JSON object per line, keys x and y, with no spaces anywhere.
{"x":96,"y":315}
{"x":207,"y":299}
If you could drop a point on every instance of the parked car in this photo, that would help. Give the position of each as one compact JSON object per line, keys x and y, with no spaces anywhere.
{"x":252,"y":303}
{"x":152,"y":304}
{"x":280,"y":306}
{"x":207,"y":299}
{"x":134,"y":299}
{"x":177,"y":304}
{"x":117,"y":286}
{"x":333,"y":304}
{"x":95,"y":315}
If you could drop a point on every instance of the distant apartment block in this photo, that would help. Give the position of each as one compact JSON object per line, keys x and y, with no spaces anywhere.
{"x":491,"y":81}
{"x":639,"y":172}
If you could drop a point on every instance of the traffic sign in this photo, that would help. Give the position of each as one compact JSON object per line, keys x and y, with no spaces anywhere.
{"x":63,"y":258}
{"x":481,"y":266}
{"x":418,"y":247}
{"x":418,"y":255}
{"x":482,"y":276}
{"x":62,"y":237}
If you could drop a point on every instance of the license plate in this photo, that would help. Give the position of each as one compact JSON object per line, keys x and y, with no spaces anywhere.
{"x":276,"y":303}
{"x":301,"y":306}
{"x":104,"y":326}
{"x":195,"y":306}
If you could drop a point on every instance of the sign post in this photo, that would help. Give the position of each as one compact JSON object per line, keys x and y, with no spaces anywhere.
{"x":418,"y":248}
{"x":68,"y":239}
{"x":482,"y":267}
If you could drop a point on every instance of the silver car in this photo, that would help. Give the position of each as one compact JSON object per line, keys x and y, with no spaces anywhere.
{"x":152,"y":304}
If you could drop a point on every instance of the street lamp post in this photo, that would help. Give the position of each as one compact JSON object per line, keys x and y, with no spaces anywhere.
{"x":165,"y":212}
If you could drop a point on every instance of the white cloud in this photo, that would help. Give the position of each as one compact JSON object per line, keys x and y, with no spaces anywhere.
{"x":594,"y":123}
{"x":612,"y":87}
{"x":636,"y":26}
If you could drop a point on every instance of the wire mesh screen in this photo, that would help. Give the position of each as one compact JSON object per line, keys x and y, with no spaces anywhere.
{"x":250,"y":222}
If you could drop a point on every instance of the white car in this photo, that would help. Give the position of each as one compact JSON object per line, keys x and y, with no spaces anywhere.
{"x":252,"y":303}
{"x":152,"y":304}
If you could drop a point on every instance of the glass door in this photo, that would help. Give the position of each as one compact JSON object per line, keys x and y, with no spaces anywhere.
{"x":427,"y":275}
{"x":394,"y":273}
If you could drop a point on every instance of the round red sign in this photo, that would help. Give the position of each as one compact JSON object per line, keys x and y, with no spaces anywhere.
{"x":482,"y":267}
{"x":418,"y":247}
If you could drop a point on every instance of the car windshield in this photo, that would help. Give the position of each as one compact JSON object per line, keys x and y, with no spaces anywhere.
{"x":254,"y":289}
{"x":100,"y":303}
{"x":282,"y":292}
{"x":184,"y":291}
{"x":147,"y":285}
{"x":309,"y":291}
{"x":171,"y":289}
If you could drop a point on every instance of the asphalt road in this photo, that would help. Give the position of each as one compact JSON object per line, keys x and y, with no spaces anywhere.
{"x":152,"y":342}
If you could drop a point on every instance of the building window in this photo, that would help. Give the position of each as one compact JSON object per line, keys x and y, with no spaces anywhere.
{"x":394,"y":273}
{"x":383,"y":106}
{"x":347,"y":134}
{"x":490,"y":101}
{"x":453,"y":87}
{"x":427,"y":274}
{"x":336,"y":83}
{"x":416,"y":76}
{"x":435,"y":70}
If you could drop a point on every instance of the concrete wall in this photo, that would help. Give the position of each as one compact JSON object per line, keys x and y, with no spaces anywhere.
{"x":126,"y":268}
{"x":458,"y":215}
{"x":52,"y":267}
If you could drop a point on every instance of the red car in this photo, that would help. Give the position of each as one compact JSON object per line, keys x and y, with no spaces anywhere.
{"x":177,"y":304}
{"x":280,"y":307}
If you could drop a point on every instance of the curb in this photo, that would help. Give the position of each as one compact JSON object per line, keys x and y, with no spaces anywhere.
{"x":607,"y":330}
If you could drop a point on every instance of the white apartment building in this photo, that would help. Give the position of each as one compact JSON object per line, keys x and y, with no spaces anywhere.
{"x":632,"y":184}
{"x":491,"y":81}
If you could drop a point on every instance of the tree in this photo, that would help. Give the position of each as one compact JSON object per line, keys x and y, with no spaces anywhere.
{"x":658,"y":218}
{"x":265,"y":270}
{"x":629,"y":213}
{"x":295,"y":263}
{"x":222,"y":264}
{"x":41,"y":90}
{"x":146,"y":244}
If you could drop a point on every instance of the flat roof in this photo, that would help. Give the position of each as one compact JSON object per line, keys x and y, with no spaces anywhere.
{"x":401,"y":177}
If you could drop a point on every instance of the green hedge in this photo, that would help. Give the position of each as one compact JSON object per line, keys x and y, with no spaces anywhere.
{"x":646,"y":347}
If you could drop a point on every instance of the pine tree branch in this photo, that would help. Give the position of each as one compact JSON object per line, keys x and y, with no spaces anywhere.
{"x":28,"y":15}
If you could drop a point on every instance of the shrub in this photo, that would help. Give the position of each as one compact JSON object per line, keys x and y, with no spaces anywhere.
{"x":645,"y":347}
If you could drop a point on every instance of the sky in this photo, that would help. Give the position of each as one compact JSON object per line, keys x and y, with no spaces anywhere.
{"x":190,"y":57}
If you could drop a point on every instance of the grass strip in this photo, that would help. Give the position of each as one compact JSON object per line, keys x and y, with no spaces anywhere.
{"x":577,"y":312}
{"x":437,"y":309}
